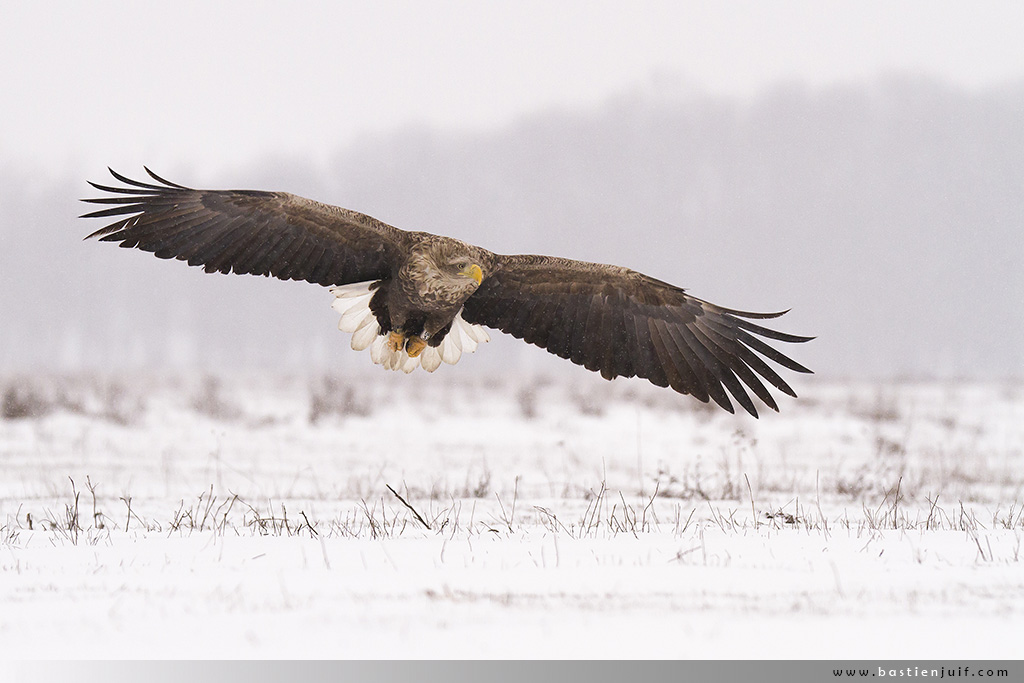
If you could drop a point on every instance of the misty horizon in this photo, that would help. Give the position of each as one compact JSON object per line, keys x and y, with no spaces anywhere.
{"x":886,"y":216}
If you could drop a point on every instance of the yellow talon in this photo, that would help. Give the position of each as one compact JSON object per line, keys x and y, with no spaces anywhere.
{"x":396,"y":340}
{"x":415,"y":346}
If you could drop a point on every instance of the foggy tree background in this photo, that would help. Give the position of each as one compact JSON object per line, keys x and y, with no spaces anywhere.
{"x":887,"y":215}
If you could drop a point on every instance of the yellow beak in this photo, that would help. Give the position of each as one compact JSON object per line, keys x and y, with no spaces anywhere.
{"x":473,"y":271}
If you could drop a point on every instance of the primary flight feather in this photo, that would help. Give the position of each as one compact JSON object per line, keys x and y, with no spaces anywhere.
{"x":417,"y":299}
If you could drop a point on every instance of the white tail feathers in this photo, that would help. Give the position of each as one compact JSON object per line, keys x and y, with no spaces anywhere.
{"x":353,"y":302}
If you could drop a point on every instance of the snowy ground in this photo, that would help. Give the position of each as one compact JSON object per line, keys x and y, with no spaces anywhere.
{"x":195,"y":516}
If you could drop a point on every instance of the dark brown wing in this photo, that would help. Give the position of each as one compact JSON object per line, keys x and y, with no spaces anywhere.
{"x":622,"y":323}
{"x":248,"y":231}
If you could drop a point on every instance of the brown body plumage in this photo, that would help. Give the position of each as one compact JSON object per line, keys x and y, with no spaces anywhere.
{"x":606,"y":318}
{"x":430,"y":286}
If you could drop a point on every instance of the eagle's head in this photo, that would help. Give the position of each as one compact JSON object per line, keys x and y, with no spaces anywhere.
{"x":447,"y":271}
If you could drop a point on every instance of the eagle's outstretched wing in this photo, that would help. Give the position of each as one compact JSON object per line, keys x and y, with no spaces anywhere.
{"x":248,"y":231}
{"x":622,"y":323}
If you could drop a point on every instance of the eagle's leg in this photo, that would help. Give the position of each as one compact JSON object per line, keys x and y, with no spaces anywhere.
{"x":396,"y":340}
{"x":415,"y":345}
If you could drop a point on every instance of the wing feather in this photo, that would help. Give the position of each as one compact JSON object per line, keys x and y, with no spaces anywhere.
{"x":724,"y":367}
{"x":630,"y":346}
{"x":743,"y":362}
{"x":667,"y":354}
{"x":693,"y":375}
{"x":709,"y":372}
{"x":580,"y":351}
{"x":247,"y":231}
{"x":623,"y":323}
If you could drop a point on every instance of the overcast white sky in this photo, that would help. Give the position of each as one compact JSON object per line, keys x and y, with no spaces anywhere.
{"x":213,"y":85}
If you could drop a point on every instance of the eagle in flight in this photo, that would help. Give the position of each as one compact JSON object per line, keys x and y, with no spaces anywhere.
{"x":417,"y":299}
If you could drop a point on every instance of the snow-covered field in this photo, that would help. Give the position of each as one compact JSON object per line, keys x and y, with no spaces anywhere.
{"x":470,"y":516}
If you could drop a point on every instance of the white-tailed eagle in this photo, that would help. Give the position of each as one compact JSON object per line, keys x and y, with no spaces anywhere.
{"x":416,"y":299}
